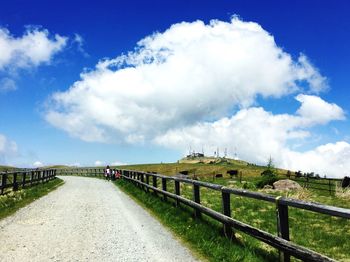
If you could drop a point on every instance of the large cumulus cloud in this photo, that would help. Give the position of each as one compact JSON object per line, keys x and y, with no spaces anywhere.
{"x":256,"y":134}
{"x":194,"y":75}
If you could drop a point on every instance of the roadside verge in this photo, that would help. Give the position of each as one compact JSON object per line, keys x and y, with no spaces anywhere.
{"x":15,"y":200}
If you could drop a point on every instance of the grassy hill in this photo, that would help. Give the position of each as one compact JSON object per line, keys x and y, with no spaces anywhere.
{"x":204,"y":167}
{"x":7,"y":168}
{"x":325,"y":234}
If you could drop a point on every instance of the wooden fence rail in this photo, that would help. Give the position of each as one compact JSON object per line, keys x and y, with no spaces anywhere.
{"x":322,"y":184}
{"x":14,"y":180}
{"x":282,"y":241}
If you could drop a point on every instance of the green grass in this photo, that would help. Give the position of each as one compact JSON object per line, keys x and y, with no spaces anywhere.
{"x":204,"y":237}
{"x":321,"y":233}
{"x":7,"y":168}
{"x":199,"y":169}
{"x":11,"y":202}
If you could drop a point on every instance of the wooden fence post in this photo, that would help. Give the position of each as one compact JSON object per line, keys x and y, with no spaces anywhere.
{"x":138,"y":178}
{"x":177,"y":192}
{"x":147,"y":182}
{"x":282,"y":226}
{"x":226,"y":210}
{"x":329,"y":186}
{"x":164,"y":187}
{"x":197,"y":199}
{"x":24,"y":174}
{"x":154,"y":183}
{"x":37,"y":177}
{"x":31,"y":177}
{"x":3,"y":182}
{"x":142,"y":180}
{"x":15,"y":183}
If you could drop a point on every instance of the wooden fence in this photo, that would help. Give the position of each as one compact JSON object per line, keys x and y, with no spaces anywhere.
{"x":287,"y":248}
{"x":322,"y":184}
{"x":15,"y":180}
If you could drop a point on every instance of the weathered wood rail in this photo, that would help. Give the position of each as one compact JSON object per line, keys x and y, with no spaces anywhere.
{"x":322,"y":184}
{"x":149,"y":181}
{"x":15,"y":180}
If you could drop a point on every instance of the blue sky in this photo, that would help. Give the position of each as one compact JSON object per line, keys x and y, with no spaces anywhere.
{"x":32,"y":116}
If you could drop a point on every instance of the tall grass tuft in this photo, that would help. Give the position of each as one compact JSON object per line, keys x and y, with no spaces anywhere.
{"x":343,"y":193}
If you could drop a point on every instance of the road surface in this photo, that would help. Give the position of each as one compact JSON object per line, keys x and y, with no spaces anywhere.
{"x":87,"y":219}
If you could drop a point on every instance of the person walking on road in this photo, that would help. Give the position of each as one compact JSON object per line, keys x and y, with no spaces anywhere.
{"x":108,"y":172}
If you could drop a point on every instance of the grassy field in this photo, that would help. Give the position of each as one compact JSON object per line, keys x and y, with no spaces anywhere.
{"x":11,"y":202}
{"x":324,"y":234}
{"x":7,"y":168}
{"x":198,"y":169}
{"x":205,"y":238}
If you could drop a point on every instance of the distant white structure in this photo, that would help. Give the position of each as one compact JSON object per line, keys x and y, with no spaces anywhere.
{"x":194,"y":154}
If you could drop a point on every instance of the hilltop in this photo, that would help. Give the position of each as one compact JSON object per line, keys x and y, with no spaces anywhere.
{"x":6,"y":168}
{"x":204,"y":166}
{"x":212,"y":160}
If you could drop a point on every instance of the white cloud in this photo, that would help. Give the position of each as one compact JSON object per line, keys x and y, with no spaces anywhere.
{"x":180,"y":87}
{"x":8,"y":148}
{"x":35,"y":47}
{"x":190,"y":73}
{"x":38,"y":164}
{"x":308,"y":72}
{"x":79,"y":40}
{"x":118,"y":163}
{"x":7,"y":85}
{"x":257,"y":134}
{"x":98,"y":163}
{"x":317,"y":111}
{"x":331,"y":159}
{"x":76,"y":164}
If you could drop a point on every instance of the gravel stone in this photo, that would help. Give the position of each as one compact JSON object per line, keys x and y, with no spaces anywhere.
{"x":87,"y":219}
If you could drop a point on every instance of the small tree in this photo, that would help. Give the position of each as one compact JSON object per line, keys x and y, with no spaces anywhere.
{"x":310,"y":174}
{"x":298,"y":174}
{"x":269,"y":175}
{"x":270,"y":170}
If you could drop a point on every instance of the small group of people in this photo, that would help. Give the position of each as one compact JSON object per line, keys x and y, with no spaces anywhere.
{"x":111,"y":174}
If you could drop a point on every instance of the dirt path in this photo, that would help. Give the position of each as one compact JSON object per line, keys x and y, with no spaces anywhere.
{"x":86,"y":220}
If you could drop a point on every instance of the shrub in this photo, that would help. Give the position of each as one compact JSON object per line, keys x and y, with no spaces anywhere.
{"x":249,"y":185}
{"x":266,"y":180}
{"x":268,"y":172}
{"x":298,"y":174}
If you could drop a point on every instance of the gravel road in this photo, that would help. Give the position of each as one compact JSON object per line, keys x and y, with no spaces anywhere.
{"x":87,"y":219}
